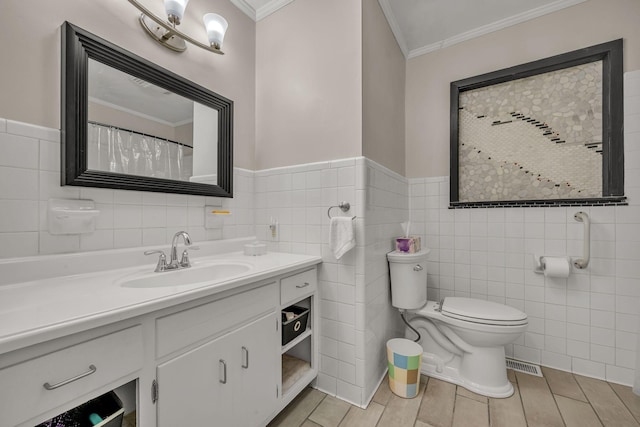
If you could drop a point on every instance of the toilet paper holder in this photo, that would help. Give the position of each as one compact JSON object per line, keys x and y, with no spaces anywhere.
{"x":538,"y":267}
{"x":539,"y":262}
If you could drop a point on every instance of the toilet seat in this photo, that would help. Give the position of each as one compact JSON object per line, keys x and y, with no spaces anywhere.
{"x":481,"y":311}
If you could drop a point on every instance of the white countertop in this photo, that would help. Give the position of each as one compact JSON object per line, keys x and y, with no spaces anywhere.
{"x":47,"y":308}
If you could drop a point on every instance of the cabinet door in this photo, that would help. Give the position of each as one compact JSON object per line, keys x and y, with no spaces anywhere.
{"x":230,"y":381}
{"x":259,"y":371}
{"x":196,"y":388}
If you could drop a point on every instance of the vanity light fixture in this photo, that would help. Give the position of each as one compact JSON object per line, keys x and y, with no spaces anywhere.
{"x":166,"y":33}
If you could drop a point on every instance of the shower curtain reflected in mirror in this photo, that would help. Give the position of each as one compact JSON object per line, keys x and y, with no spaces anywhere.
{"x":112,"y":149}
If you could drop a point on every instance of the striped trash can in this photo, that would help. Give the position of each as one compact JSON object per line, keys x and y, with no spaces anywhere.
{"x":404,"y":358}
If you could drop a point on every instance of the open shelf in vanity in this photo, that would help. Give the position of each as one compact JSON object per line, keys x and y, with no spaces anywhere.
{"x":296,"y":354}
{"x":115,"y":408}
{"x":299,"y":361}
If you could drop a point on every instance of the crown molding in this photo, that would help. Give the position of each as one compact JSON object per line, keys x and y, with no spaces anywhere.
{"x":262,"y":12}
{"x":494,"y":26}
{"x":275,"y":5}
{"x":271,"y":7}
{"x":245,"y":7}
{"x":395,"y":28}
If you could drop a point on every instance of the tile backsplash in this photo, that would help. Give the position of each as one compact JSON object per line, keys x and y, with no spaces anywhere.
{"x":30,"y":176}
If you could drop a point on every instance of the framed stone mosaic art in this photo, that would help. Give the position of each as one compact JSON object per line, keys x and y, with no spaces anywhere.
{"x":549,"y":132}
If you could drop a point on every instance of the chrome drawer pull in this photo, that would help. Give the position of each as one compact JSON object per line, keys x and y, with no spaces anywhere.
{"x":91,"y":370}
{"x":223,"y":374}
{"x":245,"y":357}
{"x":302,"y":286}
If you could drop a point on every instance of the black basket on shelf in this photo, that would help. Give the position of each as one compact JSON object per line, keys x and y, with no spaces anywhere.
{"x":293,"y":324}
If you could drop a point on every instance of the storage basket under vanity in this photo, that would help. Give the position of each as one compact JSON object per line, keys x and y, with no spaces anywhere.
{"x":103,"y":411}
{"x":295,"y":324}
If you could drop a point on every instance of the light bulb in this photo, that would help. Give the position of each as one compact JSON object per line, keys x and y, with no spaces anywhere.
{"x":216,"y":26}
{"x":175,"y":10}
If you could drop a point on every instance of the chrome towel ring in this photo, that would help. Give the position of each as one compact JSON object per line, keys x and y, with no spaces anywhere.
{"x":344,"y":207}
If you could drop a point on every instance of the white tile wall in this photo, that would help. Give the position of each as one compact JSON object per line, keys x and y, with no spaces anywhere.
{"x":30,"y":176}
{"x":386,"y":207}
{"x":356,"y":316}
{"x":297,"y":198}
{"x":586,"y":323}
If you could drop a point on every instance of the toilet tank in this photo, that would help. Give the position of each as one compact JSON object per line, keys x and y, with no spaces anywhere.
{"x":408,"y":279}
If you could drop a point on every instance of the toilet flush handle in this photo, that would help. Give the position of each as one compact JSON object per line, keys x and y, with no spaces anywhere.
{"x":418,"y":267}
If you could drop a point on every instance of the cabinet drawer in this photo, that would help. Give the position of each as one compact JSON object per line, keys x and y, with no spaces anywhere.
{"x":298,"y":285}
{"x":68,"y":373}
{"x":186,"y":327}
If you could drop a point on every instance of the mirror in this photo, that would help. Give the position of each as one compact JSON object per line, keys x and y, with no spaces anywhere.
{"x":129,"y":124}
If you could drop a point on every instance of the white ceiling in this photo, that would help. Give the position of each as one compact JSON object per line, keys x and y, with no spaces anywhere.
{"x":422,"y":26}
{"x":121,"y":91}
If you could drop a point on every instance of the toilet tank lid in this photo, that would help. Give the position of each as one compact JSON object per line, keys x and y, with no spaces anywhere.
{"x":404,"y":257}
{"x":481,"y":309}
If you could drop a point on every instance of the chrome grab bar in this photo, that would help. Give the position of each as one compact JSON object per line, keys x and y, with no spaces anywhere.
{"x":584,"y":261}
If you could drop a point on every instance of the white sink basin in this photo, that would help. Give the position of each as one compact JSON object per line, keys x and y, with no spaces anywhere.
{"x":209,"y":273}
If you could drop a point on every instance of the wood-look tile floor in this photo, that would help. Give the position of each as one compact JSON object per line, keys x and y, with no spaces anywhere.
{"x":558,"y":399}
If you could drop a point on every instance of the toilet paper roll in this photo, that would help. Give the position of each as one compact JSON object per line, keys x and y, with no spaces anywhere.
{"x":556,"y":267}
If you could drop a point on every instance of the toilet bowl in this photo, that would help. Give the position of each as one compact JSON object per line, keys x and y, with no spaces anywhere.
{"x":463,"y":338}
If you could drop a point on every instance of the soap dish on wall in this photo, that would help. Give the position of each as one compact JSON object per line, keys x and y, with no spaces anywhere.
{"x":71,"y":216}
{"x":215,"y":217}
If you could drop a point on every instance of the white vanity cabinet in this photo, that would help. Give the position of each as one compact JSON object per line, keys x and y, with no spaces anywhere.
{"x":42,"y":384}
{"x":231,"y":378}
{"x":229,"y":381}
{"x":223,"y":362}
{"x":209,"y":354}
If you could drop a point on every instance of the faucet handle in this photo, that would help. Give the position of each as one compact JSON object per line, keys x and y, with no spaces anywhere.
{"x":162,"y":260}
{"x":185,"y":262}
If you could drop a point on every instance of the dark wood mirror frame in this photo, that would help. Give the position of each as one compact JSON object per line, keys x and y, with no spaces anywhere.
{"x":78,"y":46}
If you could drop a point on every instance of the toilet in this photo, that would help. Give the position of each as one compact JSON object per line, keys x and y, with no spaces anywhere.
{"x":463,"y":339}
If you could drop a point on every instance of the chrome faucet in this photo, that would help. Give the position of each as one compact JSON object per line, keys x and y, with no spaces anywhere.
{"x":173,"y":263}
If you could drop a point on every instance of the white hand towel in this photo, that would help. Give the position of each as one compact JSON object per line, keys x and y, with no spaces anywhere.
{"x":342,"y":237}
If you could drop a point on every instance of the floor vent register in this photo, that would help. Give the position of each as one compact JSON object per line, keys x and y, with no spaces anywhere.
{"x":524,"y":367}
